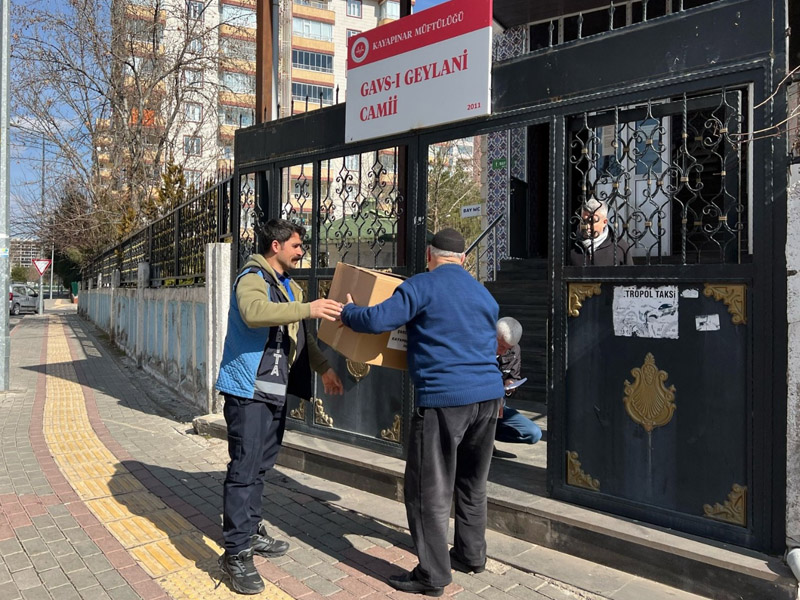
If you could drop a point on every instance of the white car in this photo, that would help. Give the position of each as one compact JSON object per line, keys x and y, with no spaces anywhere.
{"x":22,"y":298}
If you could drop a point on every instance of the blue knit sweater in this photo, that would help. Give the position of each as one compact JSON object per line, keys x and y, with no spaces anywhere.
{"x":452,"y":341}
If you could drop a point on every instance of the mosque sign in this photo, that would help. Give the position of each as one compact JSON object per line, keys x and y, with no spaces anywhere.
{"x":425,"y":69}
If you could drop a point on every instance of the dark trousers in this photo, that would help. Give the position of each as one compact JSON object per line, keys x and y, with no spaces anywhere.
{"x":450,"y":449}
{"x":255,"y":433}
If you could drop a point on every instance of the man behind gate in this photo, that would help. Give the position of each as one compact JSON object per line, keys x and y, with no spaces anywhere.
{"x":450,"y":319}
{"x":268,"y":353}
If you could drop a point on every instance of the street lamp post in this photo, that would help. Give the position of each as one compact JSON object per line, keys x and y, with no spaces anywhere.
{"x":44,"y":250}
{"x":5,"y":337}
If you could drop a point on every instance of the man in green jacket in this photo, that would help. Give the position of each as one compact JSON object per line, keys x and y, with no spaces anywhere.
{"x":268,"y":353}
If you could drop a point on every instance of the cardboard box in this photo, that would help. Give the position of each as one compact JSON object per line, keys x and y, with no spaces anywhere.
{"x":367,"y":288}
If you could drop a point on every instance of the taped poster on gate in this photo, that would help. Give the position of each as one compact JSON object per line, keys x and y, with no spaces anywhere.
{"x":646,"y":312}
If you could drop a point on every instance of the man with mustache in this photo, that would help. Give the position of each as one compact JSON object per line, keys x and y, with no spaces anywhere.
{"x":268,"y":353}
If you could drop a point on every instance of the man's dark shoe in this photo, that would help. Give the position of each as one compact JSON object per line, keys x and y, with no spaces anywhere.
{"x":265,"y":546}
{"x":407,"y":583}
{"x":502,"y":453}
{"x":242,"y":572}
{"x":460,"y":565}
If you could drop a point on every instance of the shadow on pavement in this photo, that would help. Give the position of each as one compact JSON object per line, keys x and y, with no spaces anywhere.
{"x":304,"y":516}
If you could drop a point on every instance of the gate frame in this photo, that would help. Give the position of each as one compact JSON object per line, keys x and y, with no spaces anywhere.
{"x":540,"y":88}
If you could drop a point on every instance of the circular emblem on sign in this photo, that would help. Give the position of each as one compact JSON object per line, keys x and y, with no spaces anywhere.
{"x":359,"y":50}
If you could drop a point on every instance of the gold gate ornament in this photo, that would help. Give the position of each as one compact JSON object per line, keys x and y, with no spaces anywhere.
{"x":648,"y":401}
{"x":577,"y":293}
{"x":734,"y":295}
{"x":357,"y":370}
{"x":734,"y":510}
{"x":576,"y":476}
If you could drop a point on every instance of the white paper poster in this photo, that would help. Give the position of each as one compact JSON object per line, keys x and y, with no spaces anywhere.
{"x":646,"y":312}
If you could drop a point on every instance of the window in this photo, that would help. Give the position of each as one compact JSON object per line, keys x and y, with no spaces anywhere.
{"x":227,"y":152}
{"x":195,"y":10}
{"x":193,"y":178}
{"x":238,"y":83}
{"x":136,"y":65}
{"x":351,"y":163}
{"x":196,"y":46}
{"x":314,"y":30}
{"x":237,"y":48}
{"x":192,"y":77}
{"x":390,"y":10}
{"x":193,"y":112}
{"x":192,"y":145}
{"x":235,"y":115}
{"x":238,"y":16}
{"x":354,"y":8}
{"x":351,"y":33}
{"x":312,"y":61}
{"x":146,"y":32}
{"x":302,"y":90}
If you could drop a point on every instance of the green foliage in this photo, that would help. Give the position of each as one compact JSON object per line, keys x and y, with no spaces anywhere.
{"x":171,"y":194}
{"x":453,"y":182}
{"x":19,"y":273}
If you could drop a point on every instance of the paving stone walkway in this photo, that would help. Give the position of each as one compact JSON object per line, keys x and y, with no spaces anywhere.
{"x":105,"y":493}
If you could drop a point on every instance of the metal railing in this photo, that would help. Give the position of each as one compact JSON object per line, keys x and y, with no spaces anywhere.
{"x":473,"y":262}
{"x":173,"y":245}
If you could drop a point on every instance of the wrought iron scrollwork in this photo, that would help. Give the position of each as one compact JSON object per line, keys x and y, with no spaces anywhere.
{"x":669,"y":175}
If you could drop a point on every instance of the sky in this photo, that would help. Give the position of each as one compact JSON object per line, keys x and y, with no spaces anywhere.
{"x":423,"y":4}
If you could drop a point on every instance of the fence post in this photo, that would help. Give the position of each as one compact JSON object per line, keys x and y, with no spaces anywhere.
{"x":218,"y":290}
{"x":112,"y":310}
{"x":176,"y":249}
{"x":142,"y":283}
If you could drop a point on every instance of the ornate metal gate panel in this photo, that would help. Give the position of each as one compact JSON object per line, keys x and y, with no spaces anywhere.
{"x":666,"y":383}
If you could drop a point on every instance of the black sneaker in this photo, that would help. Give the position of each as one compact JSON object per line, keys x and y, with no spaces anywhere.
{"x":502,"y":453}
{"x":240,"y":568}
{"x":265,"y":546}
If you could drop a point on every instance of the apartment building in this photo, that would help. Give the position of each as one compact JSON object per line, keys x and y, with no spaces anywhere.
{"x":22,"y":252}
{"x":189,"y":78}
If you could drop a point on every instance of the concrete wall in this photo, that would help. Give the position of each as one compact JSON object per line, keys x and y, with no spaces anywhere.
{"x":174,"y":334}
{"x":793,"y":375}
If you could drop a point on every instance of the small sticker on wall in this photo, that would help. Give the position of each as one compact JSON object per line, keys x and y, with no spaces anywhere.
{"x":690,"y":293}
{"x":398,"y":339}
{"x":707,"y":322}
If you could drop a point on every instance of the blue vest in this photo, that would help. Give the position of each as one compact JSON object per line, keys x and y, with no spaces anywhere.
{"x":255,"y":361}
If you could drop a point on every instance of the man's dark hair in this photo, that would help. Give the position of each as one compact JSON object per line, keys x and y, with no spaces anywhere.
{"x":280,"y":230}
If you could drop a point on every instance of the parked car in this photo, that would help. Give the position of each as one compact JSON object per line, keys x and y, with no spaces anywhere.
{"x":22,"y":298}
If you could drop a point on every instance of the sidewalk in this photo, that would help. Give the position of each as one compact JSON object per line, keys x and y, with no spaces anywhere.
{"x":106,"y":493}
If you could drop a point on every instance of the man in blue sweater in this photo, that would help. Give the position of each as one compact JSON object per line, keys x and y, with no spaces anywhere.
{"x":450,"y":319}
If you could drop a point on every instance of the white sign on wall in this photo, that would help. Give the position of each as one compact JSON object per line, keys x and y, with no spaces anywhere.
{"x":474,"y":210}
{"x":428,"y":68}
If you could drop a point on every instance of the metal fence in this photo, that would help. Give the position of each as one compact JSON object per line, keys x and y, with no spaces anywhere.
{"x":173,"y":245}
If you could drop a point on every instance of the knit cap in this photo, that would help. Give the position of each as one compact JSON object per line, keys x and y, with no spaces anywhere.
{"x":448,"y":239}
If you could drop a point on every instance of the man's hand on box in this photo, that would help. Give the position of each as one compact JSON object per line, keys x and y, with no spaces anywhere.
{"x":326,"y":309}
{"x":332,"y":383}
{"x":349,"y":300}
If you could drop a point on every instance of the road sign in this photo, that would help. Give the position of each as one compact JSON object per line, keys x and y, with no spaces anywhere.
{"x":41,"y":264}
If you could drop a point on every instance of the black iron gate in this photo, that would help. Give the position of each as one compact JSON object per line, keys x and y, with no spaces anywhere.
{"x":666,"y":398}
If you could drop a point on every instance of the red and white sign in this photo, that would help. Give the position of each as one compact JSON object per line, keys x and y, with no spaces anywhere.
{"x":425,"y":69}
{"x":41,"y":264}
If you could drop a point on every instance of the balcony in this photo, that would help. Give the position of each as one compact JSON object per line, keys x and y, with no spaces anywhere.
{"x":317,"y":11}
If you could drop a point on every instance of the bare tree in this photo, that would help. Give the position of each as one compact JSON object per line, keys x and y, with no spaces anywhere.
{"x":115,"y":87}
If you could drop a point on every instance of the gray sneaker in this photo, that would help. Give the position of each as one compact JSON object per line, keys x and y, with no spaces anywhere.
{"x":263,"y":545}
{"x":242,"y":572}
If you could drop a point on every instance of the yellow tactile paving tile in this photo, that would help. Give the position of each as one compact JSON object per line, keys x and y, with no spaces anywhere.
{"x":107,"y":486}
{"x":175,"y":554}
{"x":135,"y":531}
{"x":122,"y":506}
{"x":183,"y":586}
{"x":164,"y":544}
